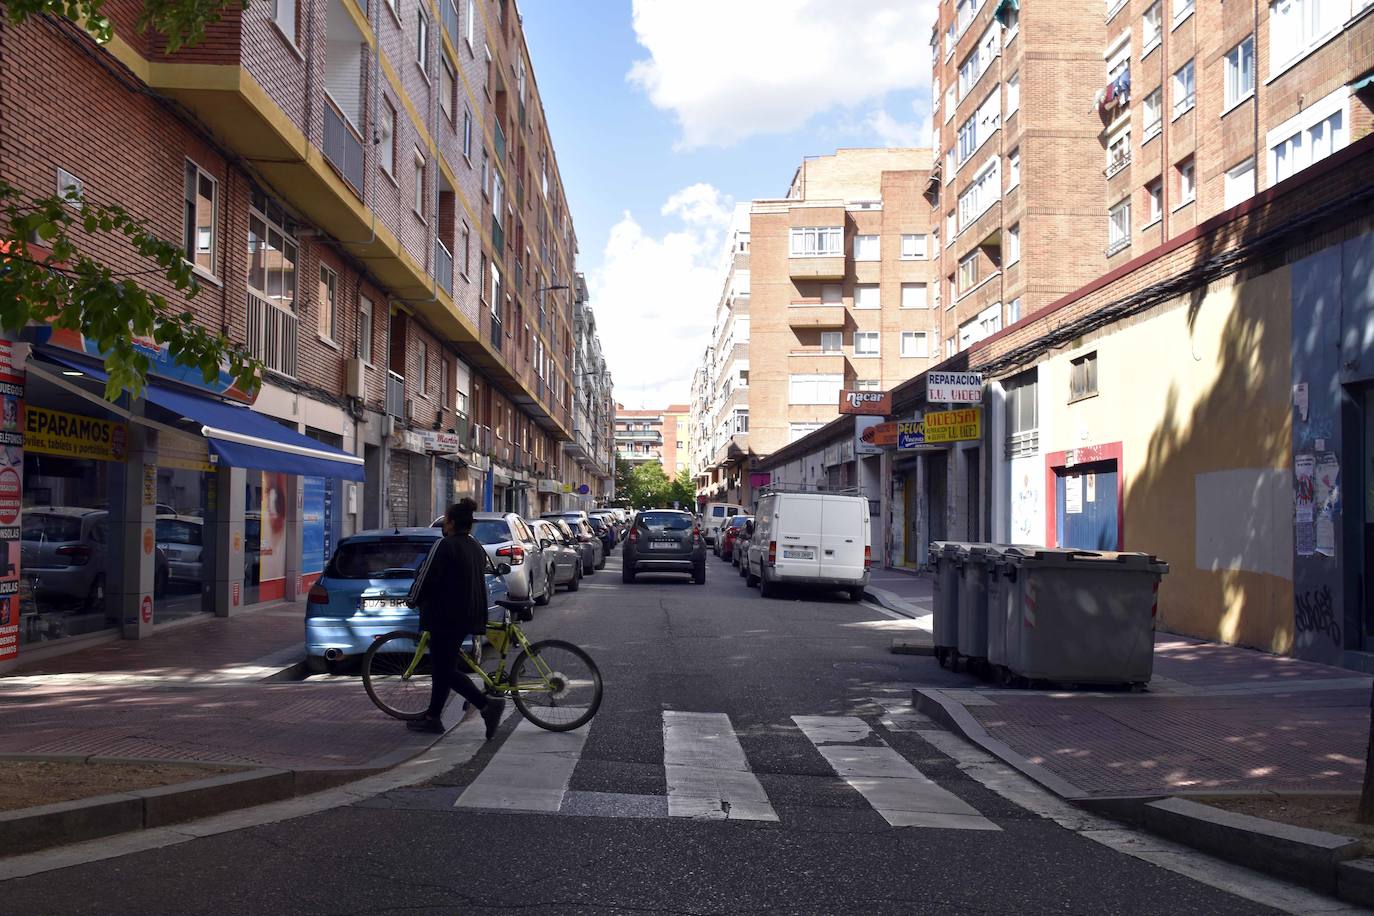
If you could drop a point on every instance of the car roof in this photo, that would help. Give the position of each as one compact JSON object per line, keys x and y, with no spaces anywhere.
{"x":382,"y":534}
{"x":70,"y":511}
{"x":493,"y":516}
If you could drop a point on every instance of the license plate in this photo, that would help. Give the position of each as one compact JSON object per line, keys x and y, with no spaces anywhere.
{"x":384,"y":604}
{"x":663,"y":545}
{"x":799,"y":554}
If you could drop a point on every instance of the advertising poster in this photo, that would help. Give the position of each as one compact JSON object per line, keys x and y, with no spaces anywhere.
{"x":11,"y":498}
{"x":1304,"y":502}
{"x":314,"y":527}
{"x":272,"y":559}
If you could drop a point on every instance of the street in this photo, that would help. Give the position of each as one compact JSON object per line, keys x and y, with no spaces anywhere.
{"x":759,"y":702}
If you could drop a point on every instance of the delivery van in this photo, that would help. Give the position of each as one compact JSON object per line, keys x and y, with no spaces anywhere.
{"x":820,"y":540}
{"x":713,"y":516}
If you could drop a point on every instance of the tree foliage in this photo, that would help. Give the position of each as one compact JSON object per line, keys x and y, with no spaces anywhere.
{"x":646,"y":486}
{"x":181,"y":22}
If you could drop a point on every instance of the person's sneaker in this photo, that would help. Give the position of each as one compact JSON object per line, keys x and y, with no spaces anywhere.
{"x":427,"y":725}
{"x":491,"y":715}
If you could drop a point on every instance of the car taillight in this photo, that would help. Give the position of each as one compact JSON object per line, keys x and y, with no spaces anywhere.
{"x":318,"y":595}
{"x":515,"y":554}
{"x":634,"y":535}
{"x":772,"y":553}
{"x":868,"y":558}
{"x":76,"y":556}
{"x":696,"y":535}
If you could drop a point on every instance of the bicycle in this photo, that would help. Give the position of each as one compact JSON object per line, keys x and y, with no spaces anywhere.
{"x":554,"y":683}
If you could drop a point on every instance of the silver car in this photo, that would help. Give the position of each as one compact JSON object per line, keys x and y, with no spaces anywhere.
{"x":508,"y":539}
{"x":63,"y":553}
{"x":179,"y":538}
{"x":566,"y":552}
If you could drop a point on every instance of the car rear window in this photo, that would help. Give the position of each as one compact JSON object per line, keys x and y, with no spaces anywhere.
{"x":39,"y":526}
{"x":389,"y":558}
{"x":491,"y":531}
{"x":738,"y":521}
{"x":666,"y":521}
{"x":171,"y":531}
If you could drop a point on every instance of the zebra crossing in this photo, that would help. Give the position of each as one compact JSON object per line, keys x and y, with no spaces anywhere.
{"x":708,"y":777}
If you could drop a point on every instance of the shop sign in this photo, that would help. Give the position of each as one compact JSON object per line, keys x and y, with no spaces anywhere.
{"x":410,"y":441}
{"x":911,"y":434}
{"x":11,"y":497}
{"x":544,"y":485}
{"x":567,"y":488}
{"x":53,"y":432}
{"x":954,"y":387}
{"x":872,"y":403}
{"x":954,"y":425}
{"x":584,"y":489}
{"x":863,"y":436}
{"x":435,"y":441}
{"x":881,"y":435}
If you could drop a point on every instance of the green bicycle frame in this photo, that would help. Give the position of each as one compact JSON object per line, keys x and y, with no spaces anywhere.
{"x":497,"y":683}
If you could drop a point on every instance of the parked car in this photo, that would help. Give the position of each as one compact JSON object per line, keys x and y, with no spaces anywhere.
{"x":602,"y":528}
{"x":509,"y":540}
{"x":180,"y":540}
{"x":566,"y":553}
{"x":62,"y":551}
{"x":614,"y":519}
{"x":665,"y":540}
{"x":740,"y":550}
{"x":362,"y":594}
{"x":728,"y":532}
{"x":816,"y":539}
{"x":713,"y":516}
{"x":593,"y":548}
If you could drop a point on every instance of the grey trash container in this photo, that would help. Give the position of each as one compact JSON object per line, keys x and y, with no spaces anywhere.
{"x":1081,"y":616}
{"x":943,"y":555}
{"x":1002,"y":606}
{"x":972,"y":563}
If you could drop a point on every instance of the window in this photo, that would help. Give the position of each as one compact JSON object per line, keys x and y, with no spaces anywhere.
{"x":496,"y":301}
{"x":913,"y":247}
{"x":866,"y":296}
{"x":365,"y":329}
{"x":1150,"y":29}
{"x":386,"y":144}
{"x":1023,"y":436}
{"x":1154,"y":115}
{"x":1012,"y":247}
{"x":915,"y":344}
{"x":422,"y":367}
{"x":329,"y":292}
{"x":866,"y":343}
{"x":422,"y":39}
{"x":822,"y":241}
{"x":985,"y":191}
{"x":446,"y":88}
{"x":472,"y":22}
{"x":1183,"y":89}
{"x":831,"y":341}
{"x":968,"y":271}
{"x":1083,"y":377}
{"x":950,"y":349}
{"x":419,"y":201}
{"x":1298,"y":26}
{"x":1187,"y":186}
{"x":272,"y":253}
{"x":1182,"y":9}
{"x":980,"y":125}
{"x":951,"y":231}
{"x":1118,"y":151}
{"x":1119,"y":227}
{"x":1240,"y":72}
{"x":1011,"y":19}
{"x":868,"y":384}
{"x":1154,"y":196}
{"x":467,"y":134}
{"x":979,"y":59}
{"x":1013,"y":168}
{"x":1013,"y":92}
{"x":866,"y":248}
{"x":199,"y":229}
{"x":284,"y":15}
{"x":392,"y":5}
{"x":984,"y":324}
{"x":914,"y":296}
{"x":1240,"y":183}
{"x":466,"y":234}
{"x":814,"y":389}
{"x":1310,"y":136}
{"x":797,"y":431}
{"x":831,"y":294}
{"x":1014,"y":310}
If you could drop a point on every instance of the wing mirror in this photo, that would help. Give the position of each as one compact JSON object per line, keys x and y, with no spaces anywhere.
{"x":546,"y":543}
{"x":503,"y":569}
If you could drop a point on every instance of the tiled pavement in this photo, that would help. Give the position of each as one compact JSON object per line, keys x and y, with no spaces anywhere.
{"x":904,"y":592}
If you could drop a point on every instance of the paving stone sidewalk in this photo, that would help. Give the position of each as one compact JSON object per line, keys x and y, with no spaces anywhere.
{"x":904,"y":592}
{"x":1216,"y":719}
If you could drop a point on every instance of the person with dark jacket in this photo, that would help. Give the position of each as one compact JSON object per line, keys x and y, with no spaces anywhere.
{"x":452,"y":596}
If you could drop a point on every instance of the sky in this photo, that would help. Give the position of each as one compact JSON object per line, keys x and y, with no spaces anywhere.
{"x":665,"y":114}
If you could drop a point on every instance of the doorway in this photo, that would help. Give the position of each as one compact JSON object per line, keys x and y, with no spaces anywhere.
{"x":937,"y":485}
{"x":1086,"y":512}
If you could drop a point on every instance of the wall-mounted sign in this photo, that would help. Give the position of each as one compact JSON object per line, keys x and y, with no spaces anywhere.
{"x":911,"y":434}
{"x":584,"y":489}
{"x":872,"y":403}
{"x":545,"y":485}
{"x":11,"y":496}
{"x":882,"y":435}
{"x":53,"y":432}
{"x":954,"y":387}
{"x":433,"y":440}
{"x":863,"y":436}
{"x":954,"y":425}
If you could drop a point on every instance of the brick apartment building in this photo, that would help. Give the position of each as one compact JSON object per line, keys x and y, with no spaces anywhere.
{"x":663,"y":435}
{"x":370,"y":196}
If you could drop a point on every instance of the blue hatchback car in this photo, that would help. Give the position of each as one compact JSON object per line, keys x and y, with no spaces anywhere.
{"x":362,"y":593}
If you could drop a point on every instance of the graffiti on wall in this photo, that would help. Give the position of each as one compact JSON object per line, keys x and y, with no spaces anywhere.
{"x":1315,"y":614}
{"x":1027,"y":501}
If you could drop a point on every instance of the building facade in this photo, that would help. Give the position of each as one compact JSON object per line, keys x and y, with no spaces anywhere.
{"x":592,"y":448}
{"x":369,"y":196}
{"x":642,"y":436}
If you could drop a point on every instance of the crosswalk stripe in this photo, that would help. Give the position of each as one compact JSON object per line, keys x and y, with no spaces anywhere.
{"x":897,"y":790}
{"x":530,"y":772}
{"x":707,"y":773}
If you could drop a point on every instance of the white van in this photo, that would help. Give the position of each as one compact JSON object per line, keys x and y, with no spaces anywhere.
{"x":817,"y":539}
{"x":714,"y":516}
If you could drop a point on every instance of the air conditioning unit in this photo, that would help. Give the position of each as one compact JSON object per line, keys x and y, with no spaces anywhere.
{"x":356,"y":382}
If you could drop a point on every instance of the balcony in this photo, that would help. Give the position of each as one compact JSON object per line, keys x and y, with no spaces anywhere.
{"x":395,"y":395}
{"x":1119,"y":160}
{"x":816,"y":267}
{"x":639,"y":435}
{"x":804,"y":360}
{"x":343,"y":148}
{"x":272,"y":336}
{"x":481,"y":439}
{"x":443,"y":266}
{"x":815,"y":315}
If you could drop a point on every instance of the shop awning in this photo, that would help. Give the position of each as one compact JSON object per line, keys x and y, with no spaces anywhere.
{"x":239,"y":436}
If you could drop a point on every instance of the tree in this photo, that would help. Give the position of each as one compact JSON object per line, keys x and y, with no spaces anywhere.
{"x":50,"y":272}
{"x":683,"y":491}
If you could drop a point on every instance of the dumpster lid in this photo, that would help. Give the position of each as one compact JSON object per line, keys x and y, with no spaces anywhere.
{"x":945,"y":548}
{"x":978,"y":549}
{"x":1065,"y":557}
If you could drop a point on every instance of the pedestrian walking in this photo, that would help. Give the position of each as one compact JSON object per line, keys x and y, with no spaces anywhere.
{"x":451,"y":593}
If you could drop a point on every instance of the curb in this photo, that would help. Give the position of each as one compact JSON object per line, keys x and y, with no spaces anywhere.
{"x":1325,"y":862}
{"x":892,"y":601}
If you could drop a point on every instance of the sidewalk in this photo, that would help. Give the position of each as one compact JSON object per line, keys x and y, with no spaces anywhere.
{"x":1216,"y":719}
{"x":902,"y":592}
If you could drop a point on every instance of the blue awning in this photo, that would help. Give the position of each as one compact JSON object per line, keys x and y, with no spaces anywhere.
{"x":241,"y":437}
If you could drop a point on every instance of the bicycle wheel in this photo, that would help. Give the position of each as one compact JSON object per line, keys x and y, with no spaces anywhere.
{"x":567,"y":697}
{"x":384,"y":675}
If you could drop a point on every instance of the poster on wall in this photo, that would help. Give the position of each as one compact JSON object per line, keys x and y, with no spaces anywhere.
{"x":11,"y":497}
{"x":1304,"y":503}
{"x":272,"y":556}
{"x":314,"y":527}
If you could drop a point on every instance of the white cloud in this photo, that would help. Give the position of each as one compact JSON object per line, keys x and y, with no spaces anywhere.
{"x":892,"y":132}
{"x":729,"y":69}
{"x":654,"y":298}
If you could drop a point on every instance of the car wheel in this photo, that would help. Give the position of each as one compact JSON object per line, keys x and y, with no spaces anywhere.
{"x":588,"y":569}
{"x":627,"y":574}
{"x":547,"y":594}
{"x":602,"y":564}
{"x":743,"y":570}
{"x":699,"y":575}
{"x":767,"y":589}
{"x":95,"y":598}
{"x":576,"y":582}
{"x":751,"y":580}
{"x":856,"y":593}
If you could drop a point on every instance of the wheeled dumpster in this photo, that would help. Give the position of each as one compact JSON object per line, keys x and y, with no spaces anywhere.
{"x":943,"y":558}
{"x":972,"y":564}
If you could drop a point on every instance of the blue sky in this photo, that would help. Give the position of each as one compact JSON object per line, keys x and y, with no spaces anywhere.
{"x":664,"y":114}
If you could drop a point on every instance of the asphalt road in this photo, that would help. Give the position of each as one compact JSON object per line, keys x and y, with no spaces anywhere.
{"x":667,"y":648}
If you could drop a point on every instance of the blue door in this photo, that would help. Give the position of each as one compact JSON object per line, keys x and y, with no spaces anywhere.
{"x":1085,"y":506}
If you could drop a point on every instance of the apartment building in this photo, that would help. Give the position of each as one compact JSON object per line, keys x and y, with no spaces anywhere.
{"x":840,"y":288}
{"x":642,"y":436}
{"x":339,"y":182}
{"x":591,"y":478}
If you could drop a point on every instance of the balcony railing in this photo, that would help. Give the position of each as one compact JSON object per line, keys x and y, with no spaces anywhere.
{"x":443,"y":266}
{"x":343,"y":148}
{"x":1119,"y":162}
{"x":272,"y":335}
{"x":481,"y":439}
{"x":395,"y":395}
